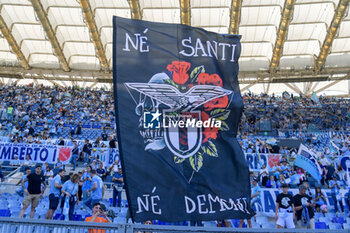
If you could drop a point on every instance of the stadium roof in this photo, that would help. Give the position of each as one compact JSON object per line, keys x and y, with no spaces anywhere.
{"x":283,"y":41}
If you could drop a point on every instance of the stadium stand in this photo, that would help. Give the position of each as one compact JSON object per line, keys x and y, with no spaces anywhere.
{"x":44,"y":99}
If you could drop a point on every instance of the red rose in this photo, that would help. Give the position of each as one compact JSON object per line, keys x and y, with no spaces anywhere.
{"x":179,"y":69}
{"x":214,"y":79}
{"x":209,"y":79}
{"x":208,"y":132}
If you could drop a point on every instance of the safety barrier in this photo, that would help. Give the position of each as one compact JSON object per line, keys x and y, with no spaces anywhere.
{"x":17,"y":225}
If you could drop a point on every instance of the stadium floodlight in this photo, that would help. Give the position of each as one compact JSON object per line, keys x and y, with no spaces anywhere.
{"x":185,"y":9}
{"x":331,"y":33}
{"x":286,"y":18}
{"x":235,"y":16}
{"x":94,"y":33}
{"x":135,"y":9}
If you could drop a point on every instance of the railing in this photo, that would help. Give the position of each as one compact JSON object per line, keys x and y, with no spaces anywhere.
{"x":18,"y":225}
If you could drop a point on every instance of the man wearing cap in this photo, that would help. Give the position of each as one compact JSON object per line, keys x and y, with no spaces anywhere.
{"x":284,"y":215}
{"x":302,"y":200}
{"x":98,"y":215}
{"x":33,"y":191}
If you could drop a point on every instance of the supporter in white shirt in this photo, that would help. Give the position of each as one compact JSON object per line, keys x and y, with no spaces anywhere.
{"x":48,"y":173}
{"x":324,"y":161}
{"x":15,"y":162}
{"x":264,"y":175}
{"x":27,"y":162}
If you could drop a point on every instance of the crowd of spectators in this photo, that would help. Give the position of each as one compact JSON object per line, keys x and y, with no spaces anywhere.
{"x":48,"y":112}
{"x":39,"y":114}
{"x":289,"y":112}
{"x":44,"y":112}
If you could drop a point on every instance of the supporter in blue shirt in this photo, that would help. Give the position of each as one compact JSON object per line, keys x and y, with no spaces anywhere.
{"x":320,"y":200}
{"x":271,"y":183}
{"x":59,"y":164}
{"x":55,"y":192}
{"x":281,"y":180}
{"x":117,"y":187}
{"x":70,"y":190}
{"x":334,"y":186}
{"x":284,"y":169}
{"x":20,"y":190}
{"x":86,"y":179}
{"x":275,"y":170}
{"x":97,"y":190}
{"x":255,"y":192}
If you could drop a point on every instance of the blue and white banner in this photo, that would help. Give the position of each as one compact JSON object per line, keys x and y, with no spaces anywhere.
{"x":107,"y":155}
{"x":345,"y":163}
{"x":255,"y":161}
{"x":307,"y":160}
{"x":267,"y":202}
{"x":38,"y":153}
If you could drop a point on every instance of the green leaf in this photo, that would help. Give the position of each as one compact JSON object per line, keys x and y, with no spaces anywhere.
{"x":211,"y":149}
{"x":224,"y":126}
{"x":196,"y":161}
{"x":195,"y":72}
{"x":178,"y":159}
{"x":171,"y":82}
{"x":172,"y":114}
{"x":220,"y":114}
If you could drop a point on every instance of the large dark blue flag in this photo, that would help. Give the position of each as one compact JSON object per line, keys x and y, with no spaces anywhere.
{"x":178,"y":106}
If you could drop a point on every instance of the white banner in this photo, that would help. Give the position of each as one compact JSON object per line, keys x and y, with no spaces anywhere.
{"x":38,"y":153}
{"x":107,"y":155}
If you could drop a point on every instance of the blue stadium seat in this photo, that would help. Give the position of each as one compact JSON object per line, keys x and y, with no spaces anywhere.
{"x":261,"y":220}
{"x":320,"y":225}
{"x":330,"y":215}
{"x":268,"y":225}
{"x":255,"y":225}
{"x":5,"y":213}
{"x":346,"y":226}
{"x":335,"y":226}
{"x":340,"y":220}
{"x":325,"y":219}
{"x":119,"y":220}
{"x":343,"y":215}
{"x":235,"y":222}
{"x":318,"y":215}
{"x":348,"y":220}
{"x":77,"y":217}
{"x":58,"y":217}
{"x":206,"y":224}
